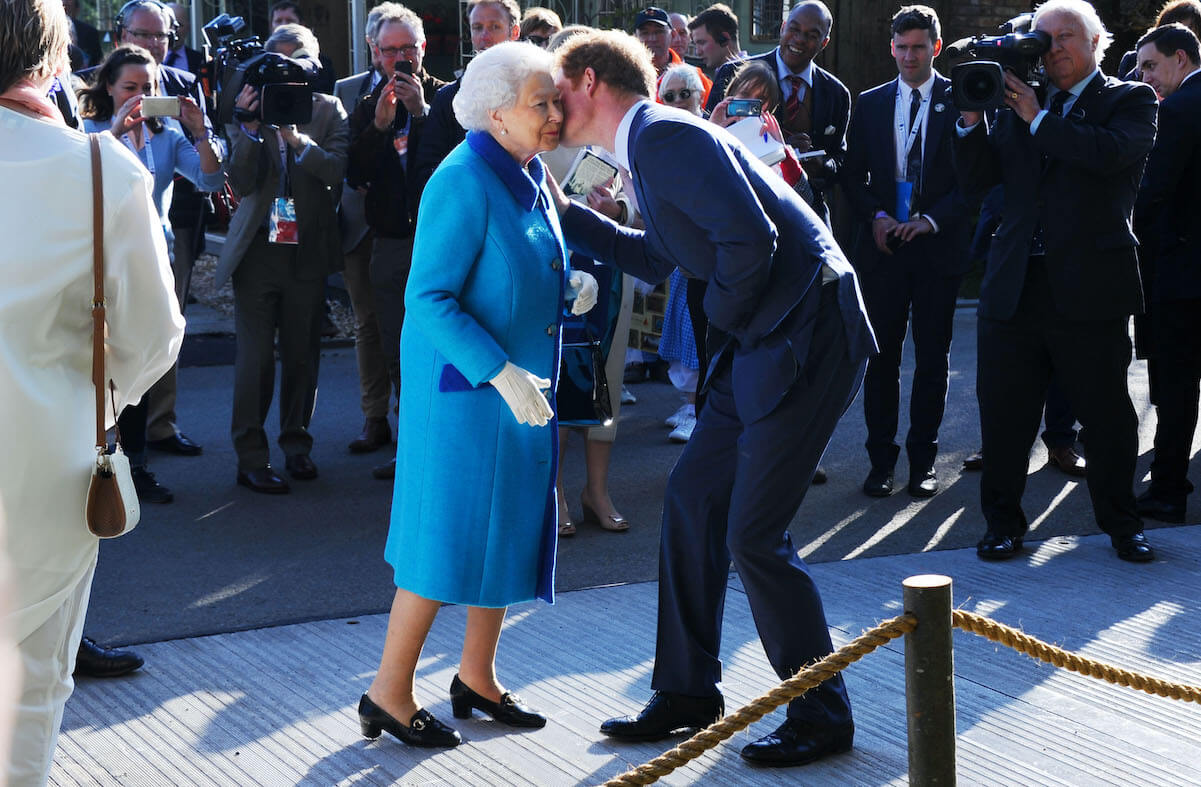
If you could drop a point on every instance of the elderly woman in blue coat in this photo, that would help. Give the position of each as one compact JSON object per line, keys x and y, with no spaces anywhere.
{"x":473,"y":511}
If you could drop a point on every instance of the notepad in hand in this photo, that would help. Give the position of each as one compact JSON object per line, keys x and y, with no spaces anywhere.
{"x":749,"y":131}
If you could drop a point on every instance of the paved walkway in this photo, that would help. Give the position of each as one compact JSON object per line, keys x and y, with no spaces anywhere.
{"x":276,"y":706}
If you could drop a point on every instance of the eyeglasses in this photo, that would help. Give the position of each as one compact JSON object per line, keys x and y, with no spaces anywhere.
{"x":392,"y":51}
{"x":146,"y":35}
{"x":683,"y":94}
{"x":538,"y":40}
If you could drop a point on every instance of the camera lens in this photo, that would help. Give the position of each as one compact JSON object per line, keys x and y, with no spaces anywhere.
{"x":980,"y":85}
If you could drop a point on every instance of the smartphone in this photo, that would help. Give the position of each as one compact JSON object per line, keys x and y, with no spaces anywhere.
{"x":403,"y":67}
{"x":744,"y":108}
{"x":160,"y":106}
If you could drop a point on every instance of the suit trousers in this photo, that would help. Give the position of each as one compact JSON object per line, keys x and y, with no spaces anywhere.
{"x":894,"y":288}
{"x":1016,"y":362}
{"x":391,"y":260}
{"x":160,"y":399}
{"x":374,"y":385}
{"x":47,"y":659}
{"x":269,"y":296}
{"x":732,"y":495}
{"x":1177,"y":370}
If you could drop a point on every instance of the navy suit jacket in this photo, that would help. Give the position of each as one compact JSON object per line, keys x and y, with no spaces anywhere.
{"x":1077,"y":176}
{"x":728,"y":219}
{"x":442,"y":133}
{"x":831,"y":110}
{"x":1168,"y":210}
{"x":869,"y":179}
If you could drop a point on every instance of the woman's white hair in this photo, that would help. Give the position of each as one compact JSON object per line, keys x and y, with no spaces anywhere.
{"x":1084,"y":11}
{"x":493,"y":80}
{"x":692,"y":80}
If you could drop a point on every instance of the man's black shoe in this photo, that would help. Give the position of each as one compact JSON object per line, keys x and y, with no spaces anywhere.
{"x":974,"y":461}
{"x":1135,"y":548}
{"x":798,"y":743}
{"x":264,"y":480}
{"x":878,"y":483}
{"x":819,"y":476}
{"x":385,"y":472}
{"x":94,"y":661}
{"x":1159,"y":509}
{"x":178,"y":443}
{"x":664,"y":714}
{"x":300,"y":467}
{"x":997,"y":547}
{"x":149,"y":490}
{"x":923,"y":483}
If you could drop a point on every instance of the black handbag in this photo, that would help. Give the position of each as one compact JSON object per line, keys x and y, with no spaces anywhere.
{"x":582,"y":397}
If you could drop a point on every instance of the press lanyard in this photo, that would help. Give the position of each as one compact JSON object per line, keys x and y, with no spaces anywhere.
{"x":148,"y":159}
{"x":919,"y":122}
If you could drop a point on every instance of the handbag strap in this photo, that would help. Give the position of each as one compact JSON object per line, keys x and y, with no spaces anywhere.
{"x":98,"y":315}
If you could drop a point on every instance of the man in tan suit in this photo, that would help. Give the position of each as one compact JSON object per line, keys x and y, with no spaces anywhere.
{"x":280,"y":285}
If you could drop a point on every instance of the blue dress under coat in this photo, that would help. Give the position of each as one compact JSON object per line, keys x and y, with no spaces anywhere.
{"x":473,"y":508}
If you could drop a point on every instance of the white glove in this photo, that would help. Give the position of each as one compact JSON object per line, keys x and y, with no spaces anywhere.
{"x":586,"y":291}
{"x":522,"y":391}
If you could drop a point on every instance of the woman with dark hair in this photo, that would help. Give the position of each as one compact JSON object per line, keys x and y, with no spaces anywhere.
{"x":113,"y":104}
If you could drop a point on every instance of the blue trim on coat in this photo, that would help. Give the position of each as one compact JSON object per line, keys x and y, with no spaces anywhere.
{"x":526,"y":183}
{"x":453,"y":380}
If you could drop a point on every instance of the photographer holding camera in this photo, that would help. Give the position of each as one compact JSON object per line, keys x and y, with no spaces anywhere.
{"x":1062,"y":277}
{"x":282,"y":242}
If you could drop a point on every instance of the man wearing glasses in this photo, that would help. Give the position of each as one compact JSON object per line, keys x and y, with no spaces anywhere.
{"x":387,"y":107}
{"x":652,"y":27}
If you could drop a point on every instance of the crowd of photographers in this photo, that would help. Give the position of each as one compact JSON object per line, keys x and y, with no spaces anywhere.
{"x":327,"y":176}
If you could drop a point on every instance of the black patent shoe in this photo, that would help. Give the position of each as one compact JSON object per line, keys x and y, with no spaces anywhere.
{"x":423,"y":729}
{"x":97,"y":661}
{"x":799,"y":743}
{"x":998,"y":547}
{"x":1134,"y":548}
{"x":508,"y":711}
{"x":666,"y":713}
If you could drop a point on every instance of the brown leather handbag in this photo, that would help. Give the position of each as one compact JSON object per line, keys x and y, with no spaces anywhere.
{"x":112,"y":508}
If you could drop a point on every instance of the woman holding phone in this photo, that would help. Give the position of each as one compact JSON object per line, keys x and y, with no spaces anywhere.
{"x":114,"y":103}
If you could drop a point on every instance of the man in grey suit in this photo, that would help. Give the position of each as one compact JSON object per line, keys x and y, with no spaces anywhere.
{"x":279,"y":281}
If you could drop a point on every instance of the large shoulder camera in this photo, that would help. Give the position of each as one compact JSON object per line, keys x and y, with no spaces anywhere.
{"x":285,"y":84}
{"x":978,"y":76}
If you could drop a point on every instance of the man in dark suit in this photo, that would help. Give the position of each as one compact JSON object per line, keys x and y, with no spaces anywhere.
{"x":911,"y":249}
{"x":816,"y":107}
{"x":182,"y":56}
{"x":789,"y":342}
{"x":86,"y":37}
{"x":1062,"y":277}
{"x":387,"y":116}
{"x":1169,"y":201}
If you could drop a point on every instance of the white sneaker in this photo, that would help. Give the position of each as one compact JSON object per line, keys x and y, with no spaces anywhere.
{"x":627,"y":397}
{"x":683,"y":430}
{"x":673,"y":420}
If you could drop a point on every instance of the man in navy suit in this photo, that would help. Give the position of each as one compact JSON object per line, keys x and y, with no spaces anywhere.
{"x":1062,"y":276}
{"x":911,"y":250}
{"x":789,"y":341}
{"x":1169,"y":58}
{"x":815,"y":106}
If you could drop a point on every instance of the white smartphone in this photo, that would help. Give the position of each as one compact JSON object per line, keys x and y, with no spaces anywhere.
{"x":160,"y":107}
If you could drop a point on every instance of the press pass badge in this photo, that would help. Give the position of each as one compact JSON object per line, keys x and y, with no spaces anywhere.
{"x":282,"y":225}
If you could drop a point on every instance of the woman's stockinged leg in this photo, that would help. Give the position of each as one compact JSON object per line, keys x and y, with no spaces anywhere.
{"x":477,"y":667}
{"x":408,"y":625}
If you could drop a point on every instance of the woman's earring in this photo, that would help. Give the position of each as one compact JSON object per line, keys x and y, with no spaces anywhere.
{"x":504,"y":132}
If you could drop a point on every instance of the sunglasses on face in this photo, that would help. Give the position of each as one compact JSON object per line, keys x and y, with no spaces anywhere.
{"x":538,"y":40}
{"x":683,"y":94}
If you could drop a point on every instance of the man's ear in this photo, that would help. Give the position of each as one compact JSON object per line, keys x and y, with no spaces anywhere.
{"x":591,"y":83}
{"x":937,"y":47}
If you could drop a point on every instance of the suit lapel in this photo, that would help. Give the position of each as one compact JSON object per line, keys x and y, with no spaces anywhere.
{"x":934,"y":124}
{"x":643,"y":203}
{"x":821,"y":106}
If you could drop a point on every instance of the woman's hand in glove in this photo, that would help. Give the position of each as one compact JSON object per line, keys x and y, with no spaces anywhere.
{"x":585,"y":289}
{"x":522,"y":391}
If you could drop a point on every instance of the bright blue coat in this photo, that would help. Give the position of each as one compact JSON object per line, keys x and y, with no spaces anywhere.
{"x":473,"y":509}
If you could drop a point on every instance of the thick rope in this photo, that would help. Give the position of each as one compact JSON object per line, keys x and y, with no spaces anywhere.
{"x":813,"y":675}
{"x":1024,"y":643}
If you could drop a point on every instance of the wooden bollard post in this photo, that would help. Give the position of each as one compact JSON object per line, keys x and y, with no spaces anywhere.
{"x":930,"y":681}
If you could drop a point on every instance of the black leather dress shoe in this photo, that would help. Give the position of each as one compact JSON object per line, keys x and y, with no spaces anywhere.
{"x":1159,"y":509}
{"x":799,"y":743}
{"x":878,"y":483}
{"x":376,"y":434}
{"x":508,"y":711}
{"x":300,"y":467}
{"x":998,"y":547}
{"x":385,"y":472}
{"x":423,"y":729}
{"x":264,"y":480}
{"x":923,"y":484}
{"x":974,"y":461}
{"x":178,"y":443}
{"x":148,"y":488}
{"x":95,"y":661}
{"x":1135,"y":548}
{"x":666,"y":713}
{"x":819,"y":476}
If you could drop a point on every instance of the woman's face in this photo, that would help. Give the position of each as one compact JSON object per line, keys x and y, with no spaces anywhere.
{"x":133,"y":79}
{"x":676,"y":93}
{"x":533,"y":123}
{"x":754,"y":90}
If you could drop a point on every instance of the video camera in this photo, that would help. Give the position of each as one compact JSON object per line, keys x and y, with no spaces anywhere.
{"x":978,"y":78}
{"x":285,"y":84}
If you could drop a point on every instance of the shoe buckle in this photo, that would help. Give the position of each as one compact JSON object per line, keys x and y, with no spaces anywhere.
{"x":509,"y":701}
{"x":418,"y":724}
